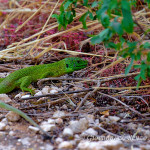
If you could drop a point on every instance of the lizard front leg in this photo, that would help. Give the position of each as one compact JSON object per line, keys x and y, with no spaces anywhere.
{"x":24,"y":82}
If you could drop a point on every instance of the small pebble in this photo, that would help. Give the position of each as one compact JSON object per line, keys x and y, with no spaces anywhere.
{"x":59,"y":114}
{"x":48,"y":127}
{"x":59,"y":140}
{"x":12,"y":116}
{"x":79,"y":126}
{"x":2,"y":126}
{"x":53,"y":91}
{"x":35,"y":129}
{"x":59,"y":121}
{"x":38,"y":93}
{"x":12,"y":133}
{"x":25,"y":141}
{"x":51,"y":121}
{"x":113,"y":118}
{"x":46,"y":90}
{"x":67,"y":132}
{"x":26,"y":96}
{"x":18,"y":95}
{"x":89,"y":131}
{"x":90,"y":118}
{"x":112,"y":144}
{"x":65,"y":145}
{"x":5,"y":98}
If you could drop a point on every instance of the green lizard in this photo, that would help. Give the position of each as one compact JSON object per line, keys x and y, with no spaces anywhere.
{"x":22,"y":78}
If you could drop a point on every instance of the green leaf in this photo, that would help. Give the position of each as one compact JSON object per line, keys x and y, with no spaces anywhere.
{"x":117,"y":27}
{"x":101,"y":36}
{"x":55,"y":16}
{"x":69,"y":17}
{"x":146,"y":45}
{"x":132,"y":46}
{"x":105,"y":20}
{"x":137,"y":77}
{"x":94,"y":4}
{"x":127,"y":21}
{"x":61,"y":8}
{"x":148,"y":57}
{"x":91,"y":16}
{"x":83,"y":19}
{"x":129,"y":67}
{"x":137,"y":66}
{"x":112,"y":45}
{"x":85,"y":2}
{"x":138,"y":55}
{"x":67,"y":4}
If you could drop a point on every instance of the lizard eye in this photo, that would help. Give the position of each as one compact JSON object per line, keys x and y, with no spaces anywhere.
{"x":78,"y":61}
{"x":67,"y":65}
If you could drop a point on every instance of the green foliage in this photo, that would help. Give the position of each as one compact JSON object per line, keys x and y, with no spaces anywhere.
{"x":108,"y":13}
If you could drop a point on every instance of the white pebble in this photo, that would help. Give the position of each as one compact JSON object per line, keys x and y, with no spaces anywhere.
{"x":51,"y":121}
{"x":113,"y":118}
{"x":67,"y":132}
{"x":11,"y":133}
{"x":65,"y":145}
{"x":46,"y":90}
{"x":90,"y":118}
{"x":59,"y":121}
{"x":2,"y":126}
{"x":35,"y":129}
{"x":89,"y":131}
{"x":59,"y":140}
{"x":5,"y":98}
{"x":25,"y":141}
{"x":18,"y":95}
{"x":26,"y":96}
{"x":38,"y":93}
{"x":112,"y":144}
{"x":59,"y":114}
{"x":53,"y":91}
{"x":79,"y":126}
{"x":48,"y":127}
{"x":12,"y":116}
{"x":5,"y":120}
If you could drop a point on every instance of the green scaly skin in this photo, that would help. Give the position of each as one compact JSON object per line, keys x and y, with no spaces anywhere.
{"x":22,"y":78}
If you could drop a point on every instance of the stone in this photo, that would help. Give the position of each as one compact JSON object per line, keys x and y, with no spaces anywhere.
{"x":4,"y":98}
{"x":51,"y":121}
{"x":25,"y":141}
{"x":35,"y":129}
{"x":59,"y":114}
{"x":38,"y":93}
{"x":59,"y":140}
{"x":12,"y":116}
{"x":113,"y":118}
{"x":79,"y":126}
{"x":2,"y":126}
{"x":89,"y":132}
{"x":48,"y":127}
{"x":65,"y":145}
{"x":59,"y":121}
{"x":46,"y":90}
{"x":12,"y":133}
{"x":26,"y":96}
{"x":67,"y":132}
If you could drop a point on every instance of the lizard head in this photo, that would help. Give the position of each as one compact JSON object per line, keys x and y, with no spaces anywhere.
{"x":75,"y":63}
